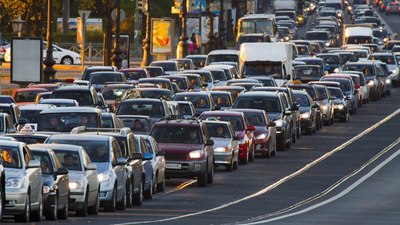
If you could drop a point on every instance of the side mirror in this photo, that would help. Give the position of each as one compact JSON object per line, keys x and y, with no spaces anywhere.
{"x":295,"y":107}
{"x":137,"y":155}
{"x":251,"y":128}
{"x":272,"y":124}
{"x":91,"y":166}
{"x":236,"y":138}
{"x":121,"y":162}
{"x":160,"y":153}
{"x":209,"y":142}
{"x":34,"y":164}
{"x":62,"y":171}
{"x":147,"y":156}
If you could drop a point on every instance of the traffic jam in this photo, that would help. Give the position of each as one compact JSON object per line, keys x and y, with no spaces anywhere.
{"x":115,"y":139}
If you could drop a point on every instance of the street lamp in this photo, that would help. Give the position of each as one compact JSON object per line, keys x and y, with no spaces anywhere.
{"x":146,"y":41}
{"x":49,"y":72}
{"x":17,"y":25}
{"x":210,"y":44}
{"x":116,"y":58}
{"x":222,"y":25}
{"x":183,"y":45}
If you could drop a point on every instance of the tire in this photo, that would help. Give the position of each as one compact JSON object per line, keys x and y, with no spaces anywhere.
{"x":161,"y":185}
{"x":229,"y":167}
{"x":63,"y":213}
{"x":112,"y":205}
{"x":129,"y":193}
{"x":94,"y":210}
{"x":282,"y":144}
{"x":235,"y":165}
{"x":67,"y":60}
{"x":38,"y":214}
{"x":210,"y":175}
{"x":53,"y":215}
{"x":202,"y":179}
{"x":84,"y":211}
{"x":155,"y":184}
{"x":121,"y":205}
{"x":24,"y":217}
{"x":251,"y":156}
{"x":138,"y":197}
{"x":148,"y":194}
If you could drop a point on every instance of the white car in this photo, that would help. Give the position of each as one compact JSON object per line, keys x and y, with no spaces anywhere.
{"x":60,"y":55}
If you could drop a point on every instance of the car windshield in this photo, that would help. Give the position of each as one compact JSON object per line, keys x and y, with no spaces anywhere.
{"x":114,"y":93}
{"x":302,"y":100}
{"x":221,"y":99}
{"x":366,"y":69}
{"x":104,"y":78}
{"x":304,"y":72}
{"x":177,"y":134}
{"x":388,"y":59}
{"x":26,"y":96}
{"x":262,"y":69}
{"x":45,"y":161}
{"x":321,"y":92}
{"x":11,"y":157}
{"x":155,"y":72}
{"x":218,"y":130}
{"x":69,"y":159}
{"x":160,"y":83}
{"x":270,"y":105}
{"x":31,"y":115}
{"x":181,"y":82}
{"x":255,"y":118}
{"x":84,"y":98}
{"x":136,"y":124}
{"x":65,"y":122}
{"x":345,"y":85}
{"x":7,"y":109}
{"x":222,"y":58}
{"x":184,"y":109}
{"x":166,"y":66}
{"x":152,"y":109}
{"x":330,"y":59}
{"x":158,"y":94}
{"x":336,"y":92}
{"x":218,"y":75}
{"x":199,"y":101}
{"x":98,"y":151}
{"x":135,"y":75}
{"x":317,"y":36}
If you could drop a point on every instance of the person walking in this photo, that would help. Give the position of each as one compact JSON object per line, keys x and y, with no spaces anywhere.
{"x":194,"y":44}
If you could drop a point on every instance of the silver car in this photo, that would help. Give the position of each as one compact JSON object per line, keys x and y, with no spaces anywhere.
{"x":23,"y":182}
{"x":226,"y":145}
{"x":84,"y":184}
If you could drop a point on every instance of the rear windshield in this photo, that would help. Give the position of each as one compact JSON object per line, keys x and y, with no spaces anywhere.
{"x":152,"y":109}
{"x":84,"y":98}
{"x":135,"y":75}
{"x":270,"y":105}
{"x":65,"y":122}
{"x":177,"y":134}
{"x":104,"y":78}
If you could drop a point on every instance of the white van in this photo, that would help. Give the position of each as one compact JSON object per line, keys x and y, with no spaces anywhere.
{"x":357,"y":34}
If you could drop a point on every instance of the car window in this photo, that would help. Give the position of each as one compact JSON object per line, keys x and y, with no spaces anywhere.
{"x":69,"y":160}
{"x":11,"y":157}
{"x":141,"y":108}
{"x":270,"y":105}
{"x":177,"y":134}
{"x":45,"y":162}
{"x":84,"y":98}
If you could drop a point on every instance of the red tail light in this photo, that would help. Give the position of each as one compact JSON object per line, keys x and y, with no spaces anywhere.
{"x":387,"y":8}
{"x":3,"y":50}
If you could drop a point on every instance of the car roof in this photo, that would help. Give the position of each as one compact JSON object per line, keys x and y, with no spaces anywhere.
{"x":259,"y":93}
{"x":72,"y":87}
{"x":36,"y":107}
{"x":11,"y":143}
{"x":72,"y":109}
{"x":67,"y":147}
{"x":81,"y":136}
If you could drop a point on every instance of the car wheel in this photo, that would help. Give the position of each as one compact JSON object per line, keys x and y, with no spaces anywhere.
{"x":67,"y":60}
{"x":251,"y":156}
{"x":309,"y":131}
{"x":38,"y":214}
{"x":236,"y":164}
{"x":138,"y":197}
{"x":202,"y":178}
{"x":210,"y":175}
{"x":25,"y":216}
{"x":84,"y":211}
{"x":148,"y":194}
{"x":53,"y":214}
{"x":161,"y":185}
{"x":63,"y":213}
{"x":229,"y":167}
{"x":112,"y":205}
{"x":121,"y":205}
{"x":282,"y":144}
{"x":129,"y":193}
{"x":94,"y":209}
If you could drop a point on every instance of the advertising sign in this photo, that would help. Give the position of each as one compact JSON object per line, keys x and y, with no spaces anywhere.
{"x":205,"y":26}
{"x":26,"y":60}
{"x":162,"y":36}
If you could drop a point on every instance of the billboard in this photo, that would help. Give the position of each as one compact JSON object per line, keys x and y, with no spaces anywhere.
{"x":162,"y":36}
{"x":26,"y":60}
{"x":205,"y":27}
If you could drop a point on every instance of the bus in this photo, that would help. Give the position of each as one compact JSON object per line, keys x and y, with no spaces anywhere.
{"x":257,"y":23}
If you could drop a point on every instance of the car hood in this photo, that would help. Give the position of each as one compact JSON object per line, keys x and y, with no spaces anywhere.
{"x":102,"y":166}
{"x":303,"y":109}
{"x":221,"y":142}
{"x":179,"y":148}
{"x":275,"y":116}
{"x":75,"y":175}
{"x":11,"y":172}
{"x":260,"y":130}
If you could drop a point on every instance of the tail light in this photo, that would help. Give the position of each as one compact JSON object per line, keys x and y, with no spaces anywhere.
{"x":3,"y":50}
{"x":387,"y":8}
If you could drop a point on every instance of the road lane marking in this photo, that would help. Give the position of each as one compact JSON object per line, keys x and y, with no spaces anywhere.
{"x":342,"y":193}
{"x":177,"y":188}
{"x":279,"y":182}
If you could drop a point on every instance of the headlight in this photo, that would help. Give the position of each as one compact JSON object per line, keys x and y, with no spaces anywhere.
{"x":305,"y":115}
{"x":336,"y":70}
{"x":349,"y":8}
{"x":385,"y":39}
{"x":394,"y":71}
{"x":286,"y":38}
{"x":221,"y":149}
{"x":327,"y":44}
{"x":105,"y":176}
{"x":371,"y":83}
{"x":46,"y":189}
{"x":261,"y":136}
{"x":13,"y":183}
{"x":324,"y":107}
{"x":279,"y":123}
{"x":73,"y":185}
{"x":196,"y":154}
{"x":339,"y":14}
{"x":340,"y":107}
{"x":388,"y":81}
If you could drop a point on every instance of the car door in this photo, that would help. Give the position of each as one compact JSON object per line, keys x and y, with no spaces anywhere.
{"x":135,"y":163}
{"x":147,"y":167}
{"x":62,"y":181}
{"x":118,"y":169}
{"x":91,"y":176}
{"x":34,"y":176}
{"x":159,"y":158}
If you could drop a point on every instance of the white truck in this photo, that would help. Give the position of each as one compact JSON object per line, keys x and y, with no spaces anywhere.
{"x":267,"y":59}
{"x":357,"y":34}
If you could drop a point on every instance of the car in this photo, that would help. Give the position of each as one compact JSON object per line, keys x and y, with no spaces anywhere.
{"x":182,"y":82}
{"x":189,"y":151}
{"x":30,"y":113}
{"x":169,"y":67}
{"x":12,"y":110}
{"x":91,"y":69}
{"x":155,"y":71}
{"x":224,"y":55}
{"x":264,"y":133}
{"x":364,"y":87}
{"x":99,"y":79}
{"x":274,"y":103}
{"x":42,"y":95}
{"x":226,"y":146}
{"x":222,"y":99}
{"x":48,"y":86}
{"x":6,"y":124}
{"x":112,"y":92}
{"x":256,"y":37}
{"x":325,"y":103}
{"x":137,"y":123}
{"x":105,"y":152}
{"x":219,"y":76}
{"x":247,"y":86}
{"x":24,"y":184}
{"x":230,"y":70}
{"x":84,"y":185}
{"x":26,"y":95}
{"x":392,"y":64}
{"x":84,"y":95}
{"x":202,"y":101}
{"x":308,"y":111}
{"x":110,"y":120}
{"x":61,"y":102}
{"x":332,"y":61}
{"x":234,"y":90}
{"x":6,"y":99}
{"x":392,"y":7}
{"x":183,"y":109}
{"x":184,"y":64}
{"x":306,"y":73}
{"x":196,"y":83}
{"x":266,"y":81}
{"x":29,"y":136}
{"x":134,"y":74}
{"x":198,"y":60}
{"x":55,"y":183}
{"x":4,"y":44}
{"x":148,"y":174}
{"x":342,"y":110}
{"x":155,"y":108}
{"x":160,"y":82}
{"x":156,"y":93}
{"x":243,"y":130}
{"x":313,"y":61}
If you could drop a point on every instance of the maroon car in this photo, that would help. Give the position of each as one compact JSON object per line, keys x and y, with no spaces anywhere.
{"x":244,"y":131}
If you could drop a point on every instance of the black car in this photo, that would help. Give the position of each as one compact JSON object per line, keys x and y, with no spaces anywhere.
{"x":332,"y":61}
{"x":341,"y":109}
{"x":55,"y":183}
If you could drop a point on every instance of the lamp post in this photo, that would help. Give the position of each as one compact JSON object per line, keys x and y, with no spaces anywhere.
{"x":49,"y":72}
{"x":210,"y":44}
{"x":183,"y":45}
{"x":17,"y":25}
{"x":222,"y":26}
{"x":116,"y":58}
{"x":146,"y":41}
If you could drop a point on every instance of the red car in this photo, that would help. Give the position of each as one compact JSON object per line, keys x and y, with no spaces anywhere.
{"x":244,"y":131}
{"x":23,"y":96}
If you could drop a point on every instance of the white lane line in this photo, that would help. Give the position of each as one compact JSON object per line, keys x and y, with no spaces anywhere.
{"x":279,"y":182}
{"x":339,"y":195}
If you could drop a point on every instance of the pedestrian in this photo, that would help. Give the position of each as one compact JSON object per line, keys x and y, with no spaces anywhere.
{"x":193,"y":46}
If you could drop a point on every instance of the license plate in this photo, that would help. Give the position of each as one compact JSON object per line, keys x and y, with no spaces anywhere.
{"x":173,"y":166}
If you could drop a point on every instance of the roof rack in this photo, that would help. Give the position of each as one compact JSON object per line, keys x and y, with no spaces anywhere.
{"x":82,"y":129}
